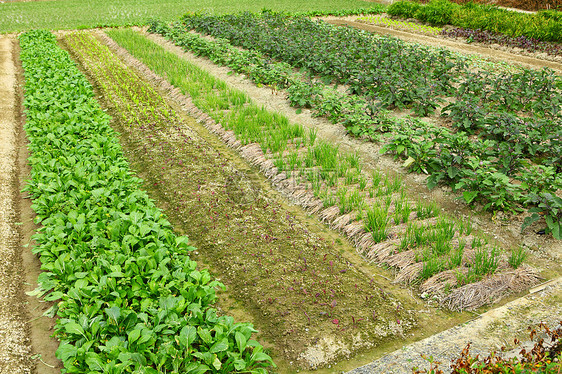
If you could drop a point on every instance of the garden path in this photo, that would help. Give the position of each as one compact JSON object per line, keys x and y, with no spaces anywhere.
{"x":15,"y":345}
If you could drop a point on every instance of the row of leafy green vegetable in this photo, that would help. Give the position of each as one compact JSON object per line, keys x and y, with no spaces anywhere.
{"x":544,"y":25}
{"x":509,"y":147}
{"x":128,"y":297}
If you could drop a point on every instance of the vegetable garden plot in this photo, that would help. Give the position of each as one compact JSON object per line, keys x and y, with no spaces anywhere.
{"x":128,"y":296}
{"x":301,"y":292}
{"x":505,"y":126}
{"x":374,"y":210}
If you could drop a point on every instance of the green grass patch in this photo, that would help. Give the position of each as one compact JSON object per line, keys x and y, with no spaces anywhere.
{"x":80,"y":14}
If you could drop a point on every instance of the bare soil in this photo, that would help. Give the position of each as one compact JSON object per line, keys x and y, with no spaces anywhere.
{"x":25,"y":334}
{"x":15,"y":348}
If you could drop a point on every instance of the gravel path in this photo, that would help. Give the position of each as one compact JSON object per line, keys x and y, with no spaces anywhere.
{"x":15,"y":346}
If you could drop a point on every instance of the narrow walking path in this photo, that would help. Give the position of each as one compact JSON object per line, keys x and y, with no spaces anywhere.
{"x":15,"y":347}
{"x":489,"y":331}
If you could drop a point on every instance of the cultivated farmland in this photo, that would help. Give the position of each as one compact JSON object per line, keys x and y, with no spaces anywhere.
{"x":270,"y":193}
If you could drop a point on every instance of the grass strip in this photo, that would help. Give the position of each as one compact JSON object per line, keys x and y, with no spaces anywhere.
{"x":128,"y":297}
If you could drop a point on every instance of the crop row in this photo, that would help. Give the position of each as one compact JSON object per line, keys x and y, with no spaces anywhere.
{"x":373,"y":9}
{"x":544,"y":25}
{"x":401,"y":24}
{"x":374,"y":209}
{"x":269,"y":262}
{"x":128,"y":297}
{"x":515,"y":115}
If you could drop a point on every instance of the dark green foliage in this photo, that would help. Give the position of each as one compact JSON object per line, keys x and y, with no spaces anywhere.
{"x":403,"y":9}
{"x":437,"y":12}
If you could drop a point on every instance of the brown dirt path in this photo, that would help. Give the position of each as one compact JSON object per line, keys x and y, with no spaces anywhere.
{"x":486,"y":52}
{"x":15,"y":345}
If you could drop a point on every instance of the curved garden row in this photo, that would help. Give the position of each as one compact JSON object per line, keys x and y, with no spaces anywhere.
{"x":127,"y":295}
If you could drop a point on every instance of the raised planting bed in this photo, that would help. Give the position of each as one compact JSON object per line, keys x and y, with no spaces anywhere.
{"x":127,"y":295}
